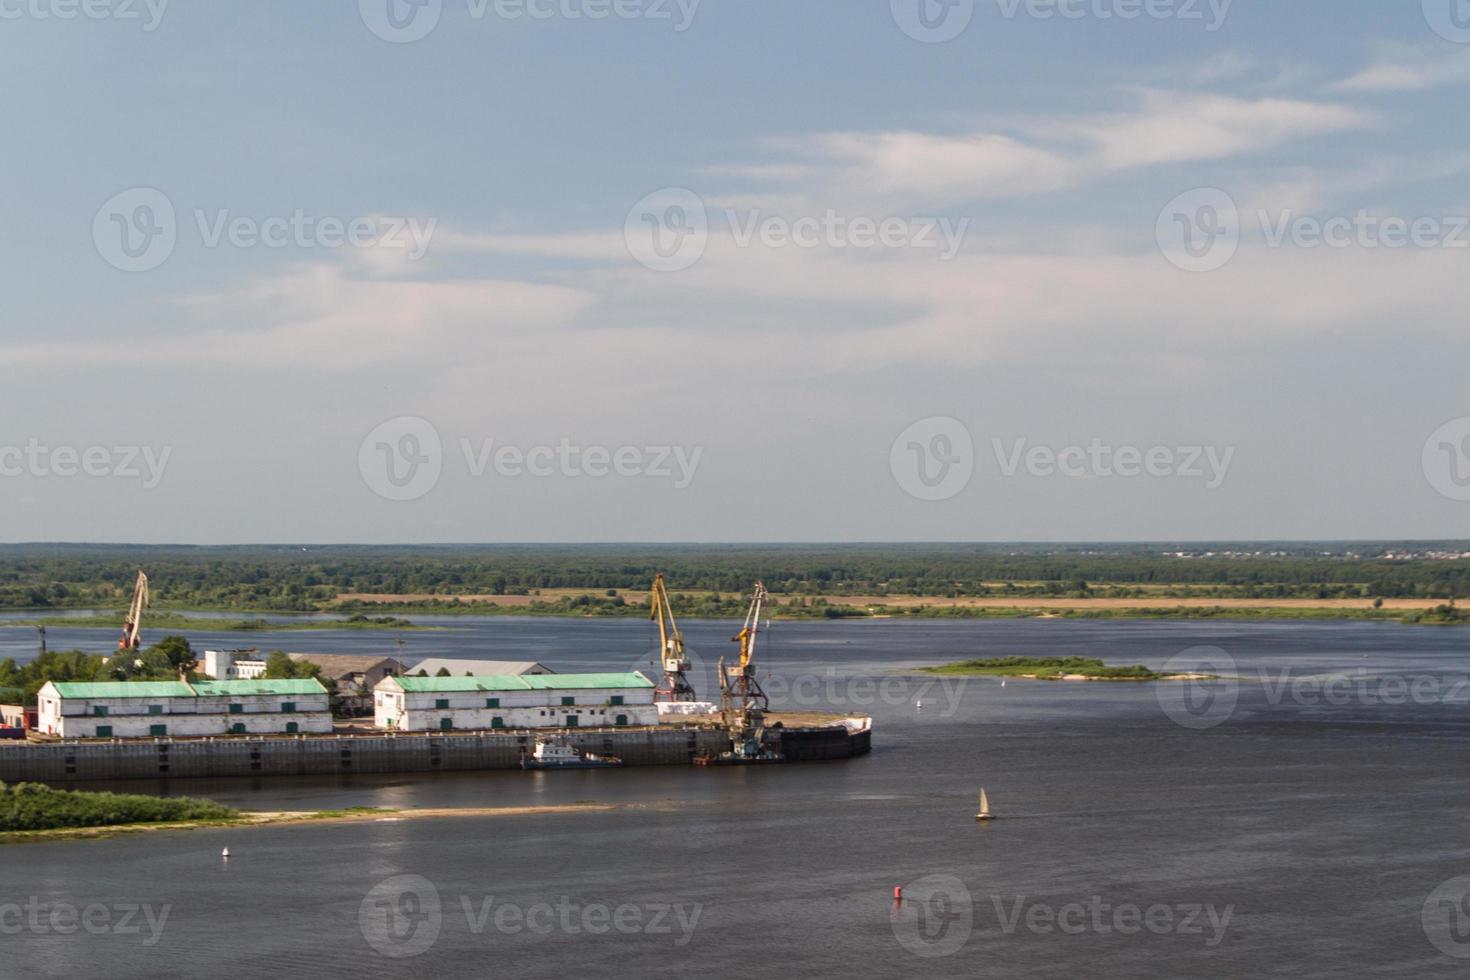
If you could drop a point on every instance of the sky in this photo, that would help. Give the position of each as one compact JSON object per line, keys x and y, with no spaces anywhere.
{"x":734,"y":270}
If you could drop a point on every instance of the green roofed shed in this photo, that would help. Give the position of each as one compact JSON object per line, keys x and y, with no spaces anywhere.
{"x":92,"y":690}
{"x":307,"y":685}
{"x":522,"y":682}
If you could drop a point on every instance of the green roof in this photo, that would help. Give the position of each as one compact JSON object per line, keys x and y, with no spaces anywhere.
{"x":122,"y":689}
{"x":92,"y":690}
{"x":522,"y":682}
{"x":261,"y":686}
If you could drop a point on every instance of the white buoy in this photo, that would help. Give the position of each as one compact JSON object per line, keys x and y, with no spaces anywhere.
{"x":919,"y":704}
{"x":1002,"y":683}
{"x":225,"y":854}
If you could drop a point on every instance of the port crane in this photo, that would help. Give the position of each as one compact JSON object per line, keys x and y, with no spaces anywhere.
{"x":672,"y":658}
{"x":742,"y":702}
{"x":132,"y":635}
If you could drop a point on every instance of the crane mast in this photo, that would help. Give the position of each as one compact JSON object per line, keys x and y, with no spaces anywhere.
{"x":132,"y":627}
{"x":672,"y":659}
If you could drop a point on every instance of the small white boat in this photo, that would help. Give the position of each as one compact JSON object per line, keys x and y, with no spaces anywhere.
{"x":984,"y":813}
{"x":553,"y":754}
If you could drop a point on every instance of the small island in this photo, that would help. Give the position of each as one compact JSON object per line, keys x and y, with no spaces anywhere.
{"x":31,"y":807}
{"x":1055,"y":669}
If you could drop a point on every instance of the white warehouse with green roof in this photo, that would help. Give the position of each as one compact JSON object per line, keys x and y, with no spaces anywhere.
{"x":140,"y":709}
{"x":417,"y":704}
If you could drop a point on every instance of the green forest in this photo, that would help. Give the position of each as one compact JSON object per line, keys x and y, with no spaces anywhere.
{"x":307,"y":578}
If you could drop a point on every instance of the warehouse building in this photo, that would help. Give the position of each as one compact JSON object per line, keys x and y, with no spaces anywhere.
{"x":416,"y":704}
{"x":123,"y":709}
{"x":354,"y":676}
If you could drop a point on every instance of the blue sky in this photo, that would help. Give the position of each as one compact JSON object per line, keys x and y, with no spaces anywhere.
{"x":770,"y":389}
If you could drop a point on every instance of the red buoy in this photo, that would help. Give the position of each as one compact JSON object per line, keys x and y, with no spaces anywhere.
{"x":898,"y":893}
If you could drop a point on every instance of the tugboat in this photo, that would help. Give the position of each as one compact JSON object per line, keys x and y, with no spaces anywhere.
{"x":553,"y":754}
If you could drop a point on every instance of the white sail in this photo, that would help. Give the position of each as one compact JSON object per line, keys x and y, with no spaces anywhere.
{"x":984,"y":802}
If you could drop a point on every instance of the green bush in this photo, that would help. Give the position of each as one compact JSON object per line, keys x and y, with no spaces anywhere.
{"x":35,"y":806}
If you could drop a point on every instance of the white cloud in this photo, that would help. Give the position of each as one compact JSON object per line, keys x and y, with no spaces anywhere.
{"x":1405,"y":68}
{"x":1044,"y":155}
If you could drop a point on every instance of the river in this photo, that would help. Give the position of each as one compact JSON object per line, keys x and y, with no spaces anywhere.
{"x":1306,"y":816}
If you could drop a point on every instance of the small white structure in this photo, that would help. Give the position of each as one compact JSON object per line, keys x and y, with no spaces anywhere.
{"x":234,"y":665}
{"x":140,"y":709}
{"x":416,"y":704}
{"x":477,"y":668}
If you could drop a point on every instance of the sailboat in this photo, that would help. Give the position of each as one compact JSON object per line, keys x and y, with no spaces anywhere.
{"x":984,"y":813}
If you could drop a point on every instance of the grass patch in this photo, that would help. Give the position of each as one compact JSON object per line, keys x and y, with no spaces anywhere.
{"x":35,"y":806}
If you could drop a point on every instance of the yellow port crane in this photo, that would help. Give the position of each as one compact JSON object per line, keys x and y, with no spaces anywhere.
{"x":742,"y":702}
{"x":672,"y":658}
{"x":132,"y":635}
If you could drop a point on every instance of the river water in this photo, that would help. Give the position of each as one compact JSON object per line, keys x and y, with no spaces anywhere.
{"x":1307,"y":816}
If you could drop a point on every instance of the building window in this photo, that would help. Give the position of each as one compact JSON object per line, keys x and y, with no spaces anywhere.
{"x":497,"y":722}
{"x":237,"y":709}
{"x":155,"y":709}
{"x":615,"y":699}
{"x":292,"y":728}
{"x":157,"y":729}
{"x":99,"y":710}
{"x":571,"y":721}
{"x":104,"y":731}
{"x":441,"y":703}
{"x":567,"y":702}
{"x":492,"y":702}
{"x":445,"y":724}
{"x":238,"y":728}
{"x":622,"y":719}
{"x":288,"y":707}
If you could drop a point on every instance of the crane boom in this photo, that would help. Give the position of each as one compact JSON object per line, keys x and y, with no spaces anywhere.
{"x":672,"y":658}
{"x":132,"y":635}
